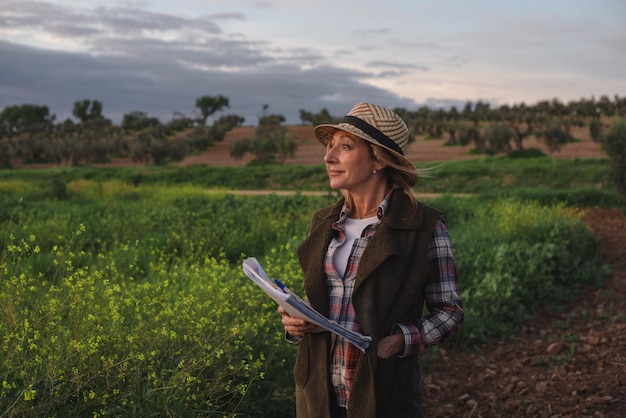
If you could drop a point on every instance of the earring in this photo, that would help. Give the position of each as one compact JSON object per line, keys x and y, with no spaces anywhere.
{"x":374,"y":171}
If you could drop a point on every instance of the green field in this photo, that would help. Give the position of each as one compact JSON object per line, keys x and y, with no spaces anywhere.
{"x":122,"y":292}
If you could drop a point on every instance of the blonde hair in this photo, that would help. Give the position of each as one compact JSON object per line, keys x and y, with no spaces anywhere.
{"x":395,"y":174}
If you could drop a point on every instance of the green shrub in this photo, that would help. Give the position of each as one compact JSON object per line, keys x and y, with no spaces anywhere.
{"x":514,"y":257}
{"x":526,"y":153}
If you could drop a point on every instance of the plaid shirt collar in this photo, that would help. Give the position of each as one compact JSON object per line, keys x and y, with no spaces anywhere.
{"x":382,"y":209}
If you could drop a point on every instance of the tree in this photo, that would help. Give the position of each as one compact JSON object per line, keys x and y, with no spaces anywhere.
{"x":225,"y":124}
{"x":63,"y":146}
{"x":466,"y":113}
{"x":595,"y":129}
{"x":614,"y":143}
{"x":482,"y":112}
{"x":153,"y":145}
{"x":451,"y":125}
{"x":95,"y":138}
{"x":137,"y":120}
{"x":605,"y":106}
{"x":87,"y":110}
{"x":436,"y":123}
{"x":202,"y":137}
{"x":498,"y":137}
{"x":7,"y":153}
{"x":180,"y":122}
{"x":208,"y":105}
{"x":468,"y":133}
{"x":521,"y":120}
{"x":419,"y":122}
{"x":27,"y":130}
{"x":555,"y":134}
{"x":620,"y":106}
{"x":270,"y":142}
{"x":323,"y":116}
{"x":26,"y":118}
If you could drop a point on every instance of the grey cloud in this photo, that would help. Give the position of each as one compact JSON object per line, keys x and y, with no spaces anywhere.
{"x":133,"y":21}
{"x":435,"y":54}
{"x":212,"y":53}
{"x":31,"y":12}
{"x":124,"y":84}
{"x":132,"y":32}
{"x":103,"y":21}
{"x":456,"y":61}
{"x":373,"y":31}
{"x":299,"y":56}
{"x":390,"y":74}
{"x":397,"y":65}
{"x":70,"y":31}
{"x":160,"y":77}
{"x":228,"y":16}
{"x":263,"y":4}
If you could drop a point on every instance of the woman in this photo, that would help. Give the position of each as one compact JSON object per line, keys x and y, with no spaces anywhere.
{"x":370,"y":263}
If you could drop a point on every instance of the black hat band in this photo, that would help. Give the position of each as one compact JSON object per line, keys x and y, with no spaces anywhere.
{"x":380,"y":137}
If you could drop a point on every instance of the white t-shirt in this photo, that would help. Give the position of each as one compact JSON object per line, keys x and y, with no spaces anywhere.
{"x":354,"y":228}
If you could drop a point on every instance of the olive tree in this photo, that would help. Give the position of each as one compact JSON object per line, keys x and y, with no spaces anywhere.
{"x":497,"y":137}
{"x":271,"y":142}
{"x":26,"y":118}
{"x":614,"y":143}
{"x":209,"y":105}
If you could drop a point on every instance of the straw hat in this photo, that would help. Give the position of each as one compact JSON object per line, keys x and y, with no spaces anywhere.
{"x":377,"y":125}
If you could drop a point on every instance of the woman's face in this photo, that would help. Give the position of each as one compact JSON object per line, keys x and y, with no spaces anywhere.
{"x":349,"y":162}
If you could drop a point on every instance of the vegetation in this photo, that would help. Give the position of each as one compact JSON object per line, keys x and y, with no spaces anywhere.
{"x":614,"y":142}
{"x":583,"y":182}
{"x":209,"y":105}
{"x":121,"y":291}
{"x":270,"y":143}
{"x":28,"y":133}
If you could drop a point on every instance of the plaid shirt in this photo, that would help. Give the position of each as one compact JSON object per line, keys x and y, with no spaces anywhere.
{"x":442,"y":300}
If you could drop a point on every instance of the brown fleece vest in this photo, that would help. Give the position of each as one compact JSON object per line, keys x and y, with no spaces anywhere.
{"x":389,"y":288}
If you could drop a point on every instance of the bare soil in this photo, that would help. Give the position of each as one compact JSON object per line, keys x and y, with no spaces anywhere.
{"x":569,"y":364}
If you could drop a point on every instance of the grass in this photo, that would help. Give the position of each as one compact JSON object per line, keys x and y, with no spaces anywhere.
{"x":481,"y":175}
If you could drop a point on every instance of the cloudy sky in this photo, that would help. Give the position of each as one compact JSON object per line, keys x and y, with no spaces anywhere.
{"x":158,"y":56}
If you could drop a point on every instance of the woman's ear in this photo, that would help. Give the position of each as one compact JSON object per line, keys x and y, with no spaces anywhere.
{"x":378,"y":165}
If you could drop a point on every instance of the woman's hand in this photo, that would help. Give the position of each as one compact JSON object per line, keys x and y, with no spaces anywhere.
{"x":391,"y":345}
{"x":294,"y":326}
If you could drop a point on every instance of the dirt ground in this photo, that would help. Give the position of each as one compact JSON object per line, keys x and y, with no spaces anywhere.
{"x":570,"y":364}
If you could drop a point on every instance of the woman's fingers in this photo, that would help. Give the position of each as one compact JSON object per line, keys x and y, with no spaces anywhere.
{"x":294,"y":326}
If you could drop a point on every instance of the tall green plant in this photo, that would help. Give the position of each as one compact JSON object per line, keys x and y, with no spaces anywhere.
{"x":124,"y":300}
{"x":514,"y":257}
{"x":102,"y":338}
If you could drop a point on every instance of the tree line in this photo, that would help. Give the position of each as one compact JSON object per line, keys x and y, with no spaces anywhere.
{"x":29,"y":133}
{"x":506,"y":128}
